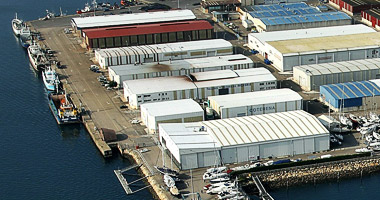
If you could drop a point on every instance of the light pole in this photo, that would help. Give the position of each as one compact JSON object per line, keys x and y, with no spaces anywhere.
{"x":178,"y":4}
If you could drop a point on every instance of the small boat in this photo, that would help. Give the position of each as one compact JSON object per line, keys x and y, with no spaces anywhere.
{"x":376,"y":148}
{"x":63,"y":108}
{"x":218,"y":187}
{"x":169,"y":181}
{"x":221,"y":179}
{"x":174,"y":191}
{"x":216,"y":169}
{"x":50,"y":78}
{"x":363,"y":150}
{"x":208,"y":176}
{"x":37,"y":58}
{"x":17,"y":25}
{"x":165,"y":170}
{"x":338,"y":136}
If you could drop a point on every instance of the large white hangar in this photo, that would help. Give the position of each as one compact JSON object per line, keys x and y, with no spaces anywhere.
{"x":311,"y":77}
{"x":197,"y":85}
{"x":286,"y":54}
{"x":255,"y":103}
{"x":258,"y":41}
{"x":122,"y":73}
{"x":163,"y":52}
{"x":234,"y":140}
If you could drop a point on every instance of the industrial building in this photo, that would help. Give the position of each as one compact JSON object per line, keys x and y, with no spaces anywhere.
{"x":301,"y":21}
{"x":288,"y":16}
{"x":80,"y":23}
{"x":197,"y":85}
{"x":225,"y":5}
{"x":354,"y":6}
{"x":311,"y":77}
{"x":259,"y":41}
{"x":352,"y":96}
{"x":163,"y":52}
{"x":122,"y":73}
{"x":371,"y":17}
{"x":177,"y":111}
{"x":286,"y":54}
{"x":157,"y":33}
{"x":255,"y":103}
{"x":241,"y":139}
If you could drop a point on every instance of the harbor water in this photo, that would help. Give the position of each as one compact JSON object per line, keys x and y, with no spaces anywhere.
{"x":41,"y":160}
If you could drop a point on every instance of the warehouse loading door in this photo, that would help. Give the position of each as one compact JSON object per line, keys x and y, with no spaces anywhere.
{"x":223,"y":91}
{"x":229,"y":155}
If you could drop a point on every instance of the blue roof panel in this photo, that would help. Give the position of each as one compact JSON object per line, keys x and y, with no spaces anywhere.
{"x":352,"y":89}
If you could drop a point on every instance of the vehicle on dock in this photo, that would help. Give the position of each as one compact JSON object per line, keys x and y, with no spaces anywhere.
{"x":63,"y":109}
{"x":50,"y":78}
{"x":37,"y":57}
{"x":17,"y":25}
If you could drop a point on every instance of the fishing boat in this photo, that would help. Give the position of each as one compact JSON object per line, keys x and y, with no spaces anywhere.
{"x":25,"y":37}
{"x":50,"y":78}
{"x":37,"y":57}
{"x":63,"y":109}
{"x":17,"y":25}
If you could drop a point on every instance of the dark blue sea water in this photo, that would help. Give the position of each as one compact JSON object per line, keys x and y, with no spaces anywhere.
{"x":39,"y":159}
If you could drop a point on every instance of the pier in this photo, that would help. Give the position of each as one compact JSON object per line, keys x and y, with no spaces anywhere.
{"x":262,"y":192}
{"x":123,"y":181}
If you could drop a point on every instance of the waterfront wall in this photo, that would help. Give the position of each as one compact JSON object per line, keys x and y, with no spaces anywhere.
{"x":316,"y":173}
{"x":157,"y":190}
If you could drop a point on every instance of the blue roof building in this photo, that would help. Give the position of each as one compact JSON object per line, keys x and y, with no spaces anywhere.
{"x":288,"y":16}
{"x":352,"y":96}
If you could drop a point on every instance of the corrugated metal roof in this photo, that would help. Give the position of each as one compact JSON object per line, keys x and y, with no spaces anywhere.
{"x":334,"y":43}
{"x":352,"y":89}
{"x":271,"y":7}
{"x":135,"y":18}
{"x":164,"y":48}
{"x":172,"y":83}
{"x":207,"y":62}
{"x":304,"y":18}
{"x":147,"y":29}
{"x":263,"y":128}
{"x":188,"y":136}
{"x":312,"y":32}
{"x":340,"y":67}
{"x":175,"y":107}
{"x":256,"y":98}
{"x":212,"y":75}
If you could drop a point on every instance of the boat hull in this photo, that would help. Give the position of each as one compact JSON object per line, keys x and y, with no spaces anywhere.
{"x":48,"y":86}
{"x":54,"y":110}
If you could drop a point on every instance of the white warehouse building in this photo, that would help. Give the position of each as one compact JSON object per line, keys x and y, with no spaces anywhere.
{"x":258,"y":41}
{"x":255,"y":103}
{"x":178,"y":67}
{"x":310,"y":77}
{"x":162,"y":52}
{"x":176,"y":111}
{"x":286,"y":54}
{"x":197,"y":85}
{"x":241,"y":139}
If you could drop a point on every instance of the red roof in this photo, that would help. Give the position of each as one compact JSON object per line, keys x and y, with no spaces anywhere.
{"x":118,"y":31}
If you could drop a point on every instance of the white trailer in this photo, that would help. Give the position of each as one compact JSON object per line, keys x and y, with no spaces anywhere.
{"x":255,"y":103}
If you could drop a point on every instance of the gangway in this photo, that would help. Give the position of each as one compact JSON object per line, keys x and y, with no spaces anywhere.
{"x":123,"y":181}
{"x":262,"y":192}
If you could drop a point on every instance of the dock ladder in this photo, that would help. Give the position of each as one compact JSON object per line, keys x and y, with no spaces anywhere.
{"x":262,"y":192}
